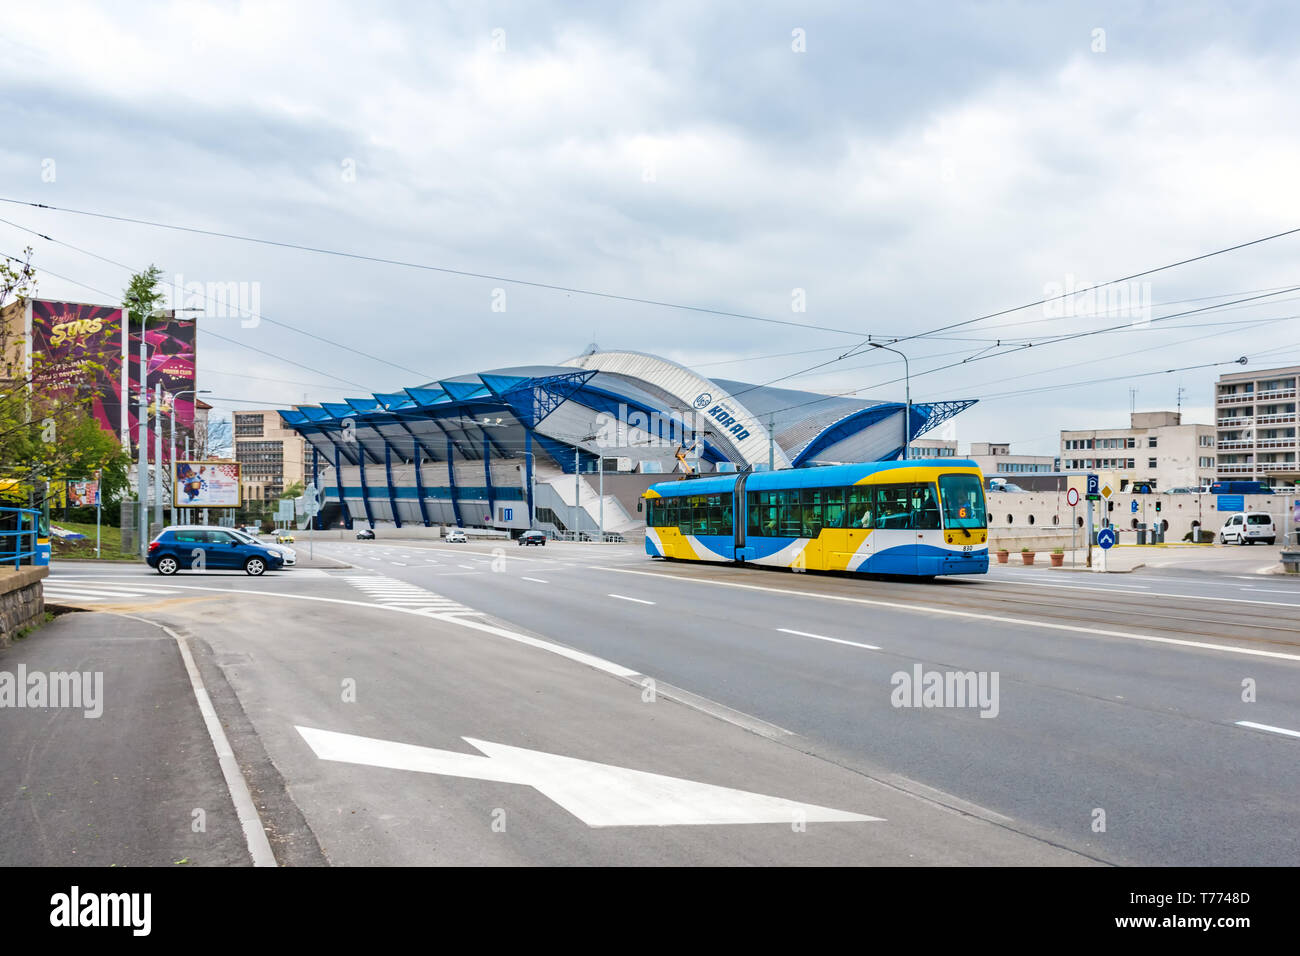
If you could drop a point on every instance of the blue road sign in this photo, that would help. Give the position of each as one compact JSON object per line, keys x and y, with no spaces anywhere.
{"x":1106,"y":538}
{"x":1133,"y":507}
{"x":509,"y":514}
{"x":1094,"y":486}
{"x":1232,"y":502}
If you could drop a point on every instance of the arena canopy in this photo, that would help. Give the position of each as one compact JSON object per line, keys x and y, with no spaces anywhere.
{"x":477,"y":449}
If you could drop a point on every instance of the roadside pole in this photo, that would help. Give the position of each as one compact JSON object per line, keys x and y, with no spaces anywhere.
{"x":99,"y":506}
{"x":1089,"y":531}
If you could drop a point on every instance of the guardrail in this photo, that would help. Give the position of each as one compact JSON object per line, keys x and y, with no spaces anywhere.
{"x":12,"y":530}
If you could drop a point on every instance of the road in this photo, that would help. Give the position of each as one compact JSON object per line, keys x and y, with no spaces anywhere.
{"x":1119,"y":701}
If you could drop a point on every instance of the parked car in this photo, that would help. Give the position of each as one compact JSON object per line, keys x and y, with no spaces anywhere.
{"x":216,"y":549}
{"x":456,"y":536}
{"x":284,"y":537}
{"x":1183,"y":491}
{"x":1001,"y":484}
{"x":1247,"y":527}
{"x":366,"y":534}
{"x":290,"y":556}
{"x":532,"y":537}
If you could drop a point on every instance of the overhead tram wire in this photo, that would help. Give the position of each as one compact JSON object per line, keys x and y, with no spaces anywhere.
{"x":1101,"y":285}
{"x":208,"y":331}
{"x":463,"y":273}
{"x":262,"y":318}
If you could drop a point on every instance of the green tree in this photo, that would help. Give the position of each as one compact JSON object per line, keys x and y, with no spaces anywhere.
{"x":295,"y":490}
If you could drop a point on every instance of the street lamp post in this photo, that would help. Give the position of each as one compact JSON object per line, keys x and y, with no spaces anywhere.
{"x":907,"y":379}
{"x":175,"y":396}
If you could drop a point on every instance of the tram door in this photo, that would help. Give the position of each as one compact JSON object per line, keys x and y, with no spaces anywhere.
{"x":855,"y":542}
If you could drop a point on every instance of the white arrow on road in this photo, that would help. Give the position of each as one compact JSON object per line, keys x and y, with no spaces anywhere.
{"x":597,"y":794}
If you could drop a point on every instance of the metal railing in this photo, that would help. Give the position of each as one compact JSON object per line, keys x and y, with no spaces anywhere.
{"x":12,"y":530}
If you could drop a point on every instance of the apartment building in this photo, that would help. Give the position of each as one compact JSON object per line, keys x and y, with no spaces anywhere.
{"x":1156,"y":449}
{"x":995,"y":458}
{"x":271,"y":456}
{"x":1255,"y":415}
{"x":933,"y":448}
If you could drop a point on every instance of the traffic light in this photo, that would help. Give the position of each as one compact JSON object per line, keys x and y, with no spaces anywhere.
{"x":1157,"y":507}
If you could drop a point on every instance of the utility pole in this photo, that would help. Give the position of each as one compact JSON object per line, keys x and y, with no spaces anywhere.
{"x":907,"y":379}
{"x":577,"y":491}
{"x":157,"y":454}
{"x":771,"y":442}
{"x":602,"y":498}
{"x":142,"y":439}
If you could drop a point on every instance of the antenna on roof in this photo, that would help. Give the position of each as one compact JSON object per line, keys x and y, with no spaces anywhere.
{"x":593,"y":348}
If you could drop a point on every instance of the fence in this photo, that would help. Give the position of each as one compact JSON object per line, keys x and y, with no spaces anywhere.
{"x":12,"y":534}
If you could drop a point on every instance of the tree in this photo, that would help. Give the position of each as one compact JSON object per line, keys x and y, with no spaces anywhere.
{"x":295,"y":490}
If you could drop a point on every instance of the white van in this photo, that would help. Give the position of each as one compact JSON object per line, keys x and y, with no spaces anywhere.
{"x":1248,"y":527}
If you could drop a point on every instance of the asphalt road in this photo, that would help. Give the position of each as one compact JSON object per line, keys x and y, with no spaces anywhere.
{"x":1119,"y":694}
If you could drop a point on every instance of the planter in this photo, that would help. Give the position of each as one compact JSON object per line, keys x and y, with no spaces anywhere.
{"x":1028,"y":556}
{"x":1003,"y":556}
{"x":1058,"y":560}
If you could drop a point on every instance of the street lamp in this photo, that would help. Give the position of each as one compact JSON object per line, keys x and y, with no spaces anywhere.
{"x":907,"y":379}
{"x":176,"y":395}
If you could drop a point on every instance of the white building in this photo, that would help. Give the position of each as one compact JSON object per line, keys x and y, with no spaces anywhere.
{"x":995,"y":458}
{"x":1156,"y":449}
{"x":1256,"y":417}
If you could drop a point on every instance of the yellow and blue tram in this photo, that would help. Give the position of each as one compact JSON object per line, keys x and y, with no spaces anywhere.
{"x":885,"y":517}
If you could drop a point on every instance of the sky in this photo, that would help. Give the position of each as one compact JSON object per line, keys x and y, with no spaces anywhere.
{"x":883,"y":171}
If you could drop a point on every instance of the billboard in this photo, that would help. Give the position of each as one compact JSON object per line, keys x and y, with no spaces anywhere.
{"x":206,"y":484}
{"x":80,"y":348}
{"x":83,"y":494}
{"x":169,"y":361}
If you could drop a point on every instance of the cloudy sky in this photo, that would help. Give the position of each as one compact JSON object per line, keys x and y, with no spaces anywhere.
{"x":887,"y":171}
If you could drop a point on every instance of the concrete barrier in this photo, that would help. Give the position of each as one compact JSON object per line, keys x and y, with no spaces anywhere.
{"x":22,"y":600}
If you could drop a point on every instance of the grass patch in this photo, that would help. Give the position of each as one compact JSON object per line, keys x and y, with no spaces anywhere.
{"x":84,"y":549}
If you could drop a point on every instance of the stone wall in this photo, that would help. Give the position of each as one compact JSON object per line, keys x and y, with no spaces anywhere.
{"x":22,"y":601}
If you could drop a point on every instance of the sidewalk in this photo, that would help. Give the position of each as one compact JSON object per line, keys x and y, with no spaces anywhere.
{"x":1125,"y":558}
{"x":123,"y":771}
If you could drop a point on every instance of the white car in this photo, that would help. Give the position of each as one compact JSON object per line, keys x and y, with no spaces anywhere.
{"x":456,"y":536}
{"x":290,"y":556}
{"x":1248,"y":527}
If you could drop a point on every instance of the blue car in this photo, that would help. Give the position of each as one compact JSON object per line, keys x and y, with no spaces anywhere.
{"x":212,"y":549}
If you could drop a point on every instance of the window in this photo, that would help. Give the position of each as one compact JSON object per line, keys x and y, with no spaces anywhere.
{"x":963,"y":501}
{"x":1151,"y":442}
{"x":1151,"y":463}
{"x":1131,"y":443}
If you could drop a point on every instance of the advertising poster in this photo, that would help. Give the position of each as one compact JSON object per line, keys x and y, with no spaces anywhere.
{"x":83,"y":494}
{"x":206,"y":484}
{"x":169,"y":351}
{"x":80,"y":350}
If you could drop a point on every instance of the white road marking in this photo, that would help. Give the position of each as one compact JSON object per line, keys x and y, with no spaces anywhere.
{"x":1270,"y":729}
{"x":600,"y":795}
{"x":833,"y":640}
{"x":623,"y":597}
{"x":259,"y":847}
{"x":395,"y":593}
{"x":1168,"y":594}
{"x":976,"y":616}
{"x":536,"y":580}
{"x":399,"y":564}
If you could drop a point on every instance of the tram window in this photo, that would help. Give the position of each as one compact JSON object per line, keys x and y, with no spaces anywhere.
{"x":925,"y":507}
{"x":860,"y":507}
{"x":893,"y":506}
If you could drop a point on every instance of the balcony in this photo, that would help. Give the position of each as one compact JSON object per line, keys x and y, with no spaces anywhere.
{"x":1237,"y":443}
{"x":1277,"y":393}
{"x":1275,"y":443}
{"x":1236,"y":469}
{"x":1285,"y":418}
{"x":1236,"y":399}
